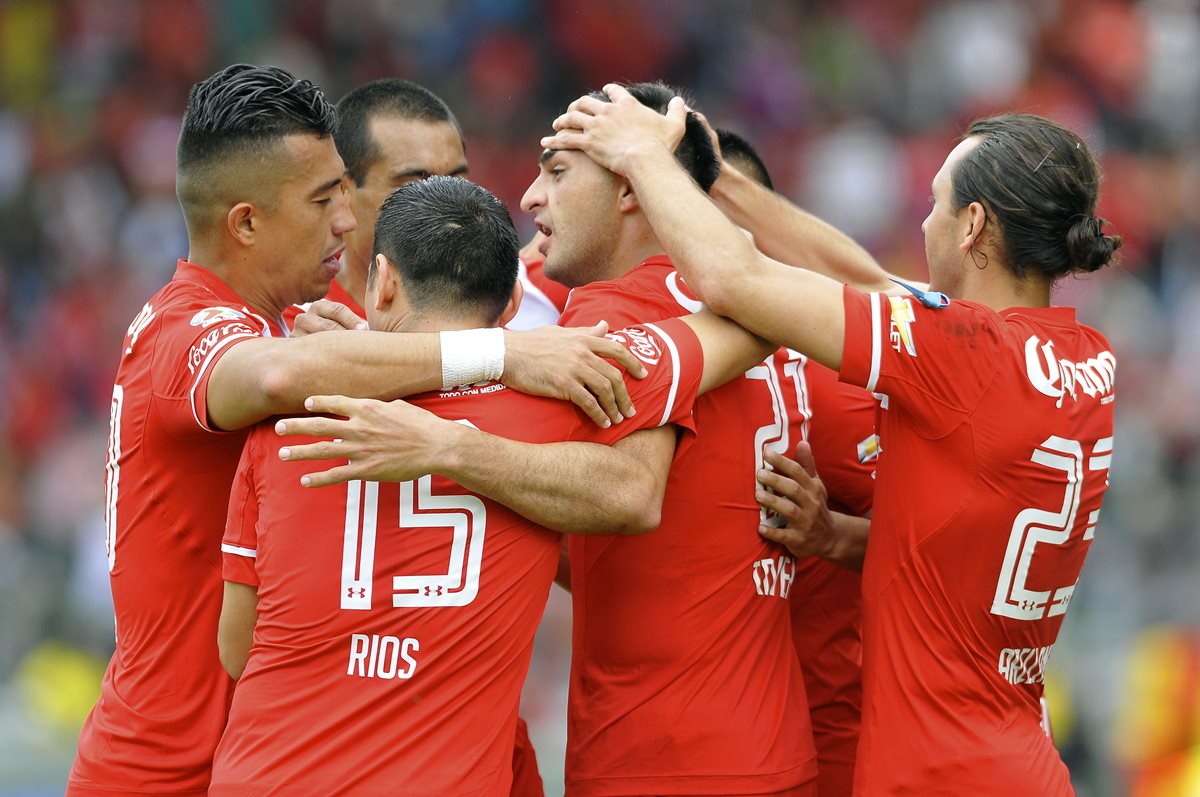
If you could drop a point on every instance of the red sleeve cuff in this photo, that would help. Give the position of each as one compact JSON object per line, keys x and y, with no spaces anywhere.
{"x":239,"y":566}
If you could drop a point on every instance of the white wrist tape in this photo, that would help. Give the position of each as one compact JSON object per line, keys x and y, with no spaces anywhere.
{"x":471,"y":355}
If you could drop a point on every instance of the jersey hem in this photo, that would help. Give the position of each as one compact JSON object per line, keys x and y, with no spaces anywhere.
{"x":75,"y":790}
{"x":694,"y":784}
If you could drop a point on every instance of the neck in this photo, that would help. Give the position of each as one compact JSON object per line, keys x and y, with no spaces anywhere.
{"x":997,"y":288}
{"x":355,"y":264}
{"x":434,"y":323}
{"x":238,"y":274}
{"x":634,"y":248}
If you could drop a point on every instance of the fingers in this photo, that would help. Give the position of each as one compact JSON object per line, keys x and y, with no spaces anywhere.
{"x":334,"y":405}
{"x":324,"y":478}
{"x":616,"y":92}
{"x":582,"y":398}
{"x":783,"y":536}
{"x":804,"y":457}
{"x":610,"y":349}
{"x":788,"y":467}
{"x":616,"y":382}
{"x":573,"y":120}
{"x":324,"y":449}
{"x":324,"y":315}
{"x":779,"y":483}
{"x":708,"y":128}
{"x":677,"y":110}
{"x":778,"y":504}
{"x":564,"y":139}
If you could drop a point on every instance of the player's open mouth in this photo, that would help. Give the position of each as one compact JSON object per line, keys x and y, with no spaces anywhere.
{"x":545,"y":243}
{"x":333,"y":263}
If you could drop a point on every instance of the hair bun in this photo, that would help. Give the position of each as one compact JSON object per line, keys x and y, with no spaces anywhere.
{"x":1087,"y":245}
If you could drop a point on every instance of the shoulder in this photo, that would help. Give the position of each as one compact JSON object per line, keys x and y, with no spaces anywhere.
{"x":650,"y":292}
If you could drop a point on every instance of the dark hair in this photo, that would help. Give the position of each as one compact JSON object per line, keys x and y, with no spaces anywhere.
{"x":1040,"y":184}
{"x":695,"y":151}
{"x":242,"y":110}
{"x":243,"y":107}
{"x":390,"y":97}
{"x":741,"y":154}
{"x":453,"y":243}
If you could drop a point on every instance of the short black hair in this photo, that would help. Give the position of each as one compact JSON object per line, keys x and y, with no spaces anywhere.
{"x":387,"y":97}
{"x":243,"y":110}
{"x":1039,"y":183}
{"x":695,"y":151}
{"x":741,"y":154}
{"x":453,"y":244}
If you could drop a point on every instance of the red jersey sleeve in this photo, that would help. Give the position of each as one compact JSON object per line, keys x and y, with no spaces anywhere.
{"x":189,"y":342}
{"x":937,"y":363}
{"x":239,"y":545}
{"x":675,"y":362}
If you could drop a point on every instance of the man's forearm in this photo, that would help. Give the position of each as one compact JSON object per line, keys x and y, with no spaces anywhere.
{"x":263,"y":377}
{"x":790,"y":235}
{"x":583,"y":488}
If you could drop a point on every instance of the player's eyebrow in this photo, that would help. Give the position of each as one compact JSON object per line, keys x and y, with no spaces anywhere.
{"x":328,"y":186}
{"x":547,"y":154}
{"x":421,"y":173}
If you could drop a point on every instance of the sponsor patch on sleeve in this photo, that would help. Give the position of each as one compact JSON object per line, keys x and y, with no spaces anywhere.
{"x":214,"y":315}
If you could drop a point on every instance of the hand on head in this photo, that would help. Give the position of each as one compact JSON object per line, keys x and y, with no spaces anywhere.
{"x":611,"y":133}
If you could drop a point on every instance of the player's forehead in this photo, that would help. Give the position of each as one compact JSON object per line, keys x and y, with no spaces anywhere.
{"x":402,"y":138}
{"x":313,"y":162}
{"x":943,"y":180}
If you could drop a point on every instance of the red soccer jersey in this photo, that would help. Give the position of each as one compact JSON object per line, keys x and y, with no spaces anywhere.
{"x":164,"y":698}
{"x":996,"y":439}
{"x":826,"y":598}
{"x":392,"y":638}
{"x":337,"y":293}
{"x":683,"y":678}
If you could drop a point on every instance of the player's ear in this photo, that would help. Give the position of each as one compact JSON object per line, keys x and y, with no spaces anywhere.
{"x":514,"y":304}
{"x":242,"y":223}
{"x":975,"y":220}
{"x":627,"y":200}
{"x":386,"y":282}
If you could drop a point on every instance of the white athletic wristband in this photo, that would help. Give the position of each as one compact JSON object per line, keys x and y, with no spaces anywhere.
{"x":471,"y":355}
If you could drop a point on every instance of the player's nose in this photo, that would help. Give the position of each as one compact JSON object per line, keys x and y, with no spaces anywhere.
{"x":534,"y":197}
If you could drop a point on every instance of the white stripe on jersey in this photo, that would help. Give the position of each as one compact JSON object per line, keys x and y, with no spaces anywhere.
{"x":674,"y":371}
{"x":876,"y":341}
{"x":204,"y":367}
{"x":238,"y":550}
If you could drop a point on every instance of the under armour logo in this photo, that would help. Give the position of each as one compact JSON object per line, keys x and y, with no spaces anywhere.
{"x":433,"y":590}
{"x":362,"y":592}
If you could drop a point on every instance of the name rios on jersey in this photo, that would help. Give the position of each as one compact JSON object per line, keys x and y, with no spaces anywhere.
{"x":384,"y":657}
{"x":1024,"y":665}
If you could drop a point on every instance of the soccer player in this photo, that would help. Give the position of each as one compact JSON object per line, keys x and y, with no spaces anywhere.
{"x":260,"y":184}
{"x":391,"y":132}
{"x":395,"y":621}
{"x":837,"y":422}
{"x":996,"y":434}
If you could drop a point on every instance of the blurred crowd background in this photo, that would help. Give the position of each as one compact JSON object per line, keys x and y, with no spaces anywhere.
{"x":853,"y":105}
